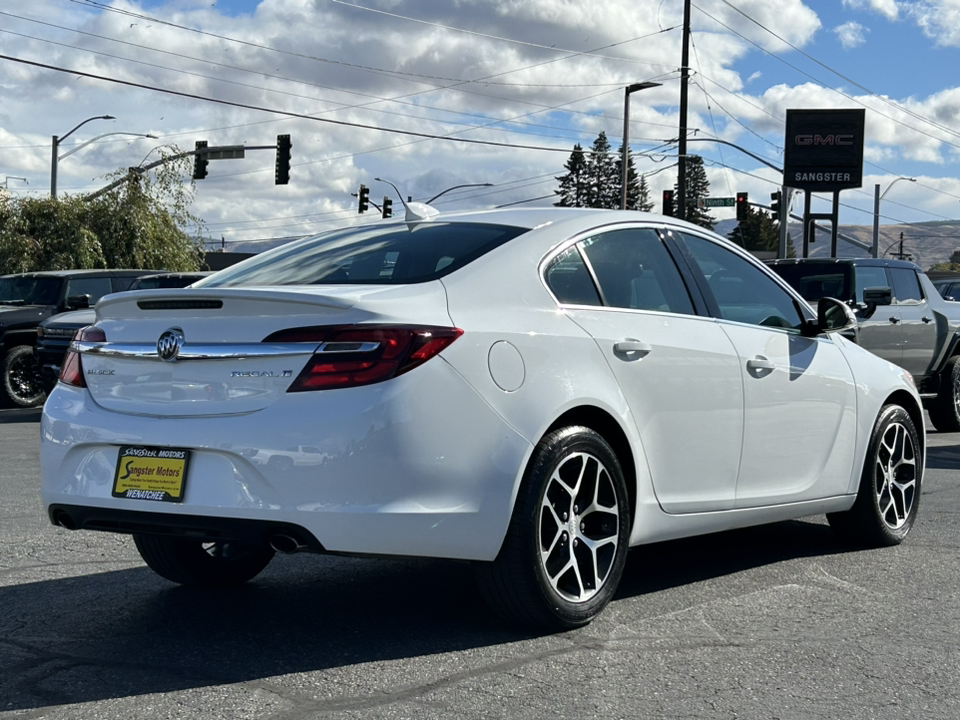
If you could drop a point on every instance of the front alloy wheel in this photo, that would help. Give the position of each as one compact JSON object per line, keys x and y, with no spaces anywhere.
{"x":889,"y":494}
{"x":566,"y":546}
{"x":21,"y":377}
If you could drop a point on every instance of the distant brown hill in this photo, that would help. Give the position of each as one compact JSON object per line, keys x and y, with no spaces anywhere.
{"x":926,"y":243}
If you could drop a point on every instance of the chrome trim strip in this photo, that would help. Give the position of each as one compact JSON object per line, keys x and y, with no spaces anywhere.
{"x":212,"y":351}
{"x":222,"y":351}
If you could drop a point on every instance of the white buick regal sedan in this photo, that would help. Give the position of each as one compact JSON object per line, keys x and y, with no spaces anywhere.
{"x":533,"y":390}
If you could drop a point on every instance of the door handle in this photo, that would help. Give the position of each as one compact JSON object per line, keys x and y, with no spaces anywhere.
{"x":894,"y":320}
{"x":760,"y":363}
{"x":927,"y":319}
{"x":632,"y":346}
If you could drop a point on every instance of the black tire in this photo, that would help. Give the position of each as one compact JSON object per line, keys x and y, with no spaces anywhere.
{"x":199,"y":564}
{"x":536,"y":577}
{"x":21,"y":377}
{"x":945,"y":409}
{"x":889,"y":494}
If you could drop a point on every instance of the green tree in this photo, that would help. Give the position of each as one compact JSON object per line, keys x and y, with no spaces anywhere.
{"x":604,"y":185}
{"x":645,"y":204}
{"x":138,"y":224}
{"x":697,"y":189}
{"x":574,"y":183}
{"x":758,"y":231}
{"x":634,"y":187}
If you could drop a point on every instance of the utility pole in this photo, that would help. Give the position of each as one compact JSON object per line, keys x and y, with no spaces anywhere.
{"x":682,"y":145}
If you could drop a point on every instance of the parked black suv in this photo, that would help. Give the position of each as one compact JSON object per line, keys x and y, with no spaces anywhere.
{"x":900,"y":317}
{"x":28,"y":299}
{"x":55,"y":333}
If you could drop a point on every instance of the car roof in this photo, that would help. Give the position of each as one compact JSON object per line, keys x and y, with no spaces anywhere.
{"x":874,"y":262}
{"x":81,"y":273}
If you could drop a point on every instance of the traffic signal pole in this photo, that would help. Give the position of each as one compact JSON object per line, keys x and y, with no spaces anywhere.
{"x":682,"y":141}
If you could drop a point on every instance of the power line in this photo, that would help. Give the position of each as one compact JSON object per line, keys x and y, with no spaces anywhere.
{"x":824,"y":85}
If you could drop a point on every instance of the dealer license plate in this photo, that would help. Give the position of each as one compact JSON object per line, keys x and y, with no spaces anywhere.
{"x":151,"y":473}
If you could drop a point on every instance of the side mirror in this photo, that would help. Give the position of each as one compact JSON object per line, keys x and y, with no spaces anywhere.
{"x":874,"y":296}
{"x":833,"y":316}
{"x":78,"y":302}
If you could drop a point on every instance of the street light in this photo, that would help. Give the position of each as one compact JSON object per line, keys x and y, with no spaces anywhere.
{"x":98,"y":137}
{"x":458,"y":186}
{"x":626,"y":133}
{"x":877,"y":197}
{"x":8,"y":178}
{"x":56,"y":144}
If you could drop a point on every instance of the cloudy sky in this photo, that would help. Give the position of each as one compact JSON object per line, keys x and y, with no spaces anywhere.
{"x":433,"y":94}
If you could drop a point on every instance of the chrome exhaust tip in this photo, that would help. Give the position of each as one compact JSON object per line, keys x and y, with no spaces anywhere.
{"x":286,"y":544}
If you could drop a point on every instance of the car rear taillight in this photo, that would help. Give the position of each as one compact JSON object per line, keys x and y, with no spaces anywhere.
{"x":72,"y":371}
{"x":352,"y":355}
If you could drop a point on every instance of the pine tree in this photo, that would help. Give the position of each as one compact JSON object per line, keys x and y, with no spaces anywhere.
{"x":758,"y":231}
{"x":645,"y":204}
{"x":602,"y":170}
{"x":635,"y":194}
{"x":574,"y":185}
{"x":697,"y":189}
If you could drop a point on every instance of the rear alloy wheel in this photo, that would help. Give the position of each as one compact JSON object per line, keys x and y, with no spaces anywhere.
{"x":889,"y":495}
{"x":945,"y":409}
{"x":21,"y":377}
{"x":564,"y":553}
{"x":202,"y":564}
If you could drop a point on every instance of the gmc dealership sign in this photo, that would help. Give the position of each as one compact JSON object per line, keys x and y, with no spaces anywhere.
{"x":823,"y":149}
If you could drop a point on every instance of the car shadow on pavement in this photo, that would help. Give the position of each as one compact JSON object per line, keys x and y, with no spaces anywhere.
{"x":944,"y":457}
{"x":129,"y":633}
{"x":19,"y":415}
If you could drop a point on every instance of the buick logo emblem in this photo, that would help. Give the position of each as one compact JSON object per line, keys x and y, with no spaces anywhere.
{"x":169,"y":344}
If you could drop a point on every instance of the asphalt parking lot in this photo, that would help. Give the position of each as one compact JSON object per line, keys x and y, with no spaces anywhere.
{"x":780,"y":622}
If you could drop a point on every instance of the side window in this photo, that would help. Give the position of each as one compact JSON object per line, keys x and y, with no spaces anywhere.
{"x":635,"y":270}
{"x":123,"y":283}
{"x":744,"y":293}
{"x":570,"y":281}
{"x":906,"y":285}
{"x":868,"y":276}
{"x":96,"y":288}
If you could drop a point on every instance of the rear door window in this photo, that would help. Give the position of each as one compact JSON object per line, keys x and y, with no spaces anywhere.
{"x":870,"y":276}
{"x":906,"y":285}
{"x":635,"y":271}
{"x":96,"y":288}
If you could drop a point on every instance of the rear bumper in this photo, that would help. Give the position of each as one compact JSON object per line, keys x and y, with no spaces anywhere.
{"x":419,"y":466}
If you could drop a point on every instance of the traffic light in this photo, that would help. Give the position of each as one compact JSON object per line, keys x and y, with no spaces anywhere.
{"x":775,"y":205}
{"x":282,"y":174}
{"x":668,"y":203}
{"x":743,"y":207}
{"x":200,"y":161}
{"x":364,"y":199}
{"x":387,"y":209}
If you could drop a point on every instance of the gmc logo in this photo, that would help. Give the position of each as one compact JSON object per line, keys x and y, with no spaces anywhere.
{"x":823,"y":140}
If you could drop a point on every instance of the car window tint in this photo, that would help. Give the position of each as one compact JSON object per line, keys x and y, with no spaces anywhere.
{"x":635,"y":271}
{"x":122,"y":283}
{"x":906,"y":285}
{"x":570,"y":281}
{"x":868,"y":276}
{"x":96,"y":288}
{"x":29,"y":290}
{"x":743,"y":292}
{"x":388,"y":255}
{"x":815,"y":280}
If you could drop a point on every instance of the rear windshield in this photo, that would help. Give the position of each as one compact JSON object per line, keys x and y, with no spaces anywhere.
{"x":816,"y":280}
{"x":29,"y":290}
{"x":390,"y":255}
{"x":164,"y":281}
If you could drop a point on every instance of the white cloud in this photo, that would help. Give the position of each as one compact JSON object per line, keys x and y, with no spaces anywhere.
{"x":887,"y":8}
{"x":851,"y":34}
{"x":939,"y":19}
